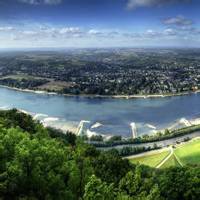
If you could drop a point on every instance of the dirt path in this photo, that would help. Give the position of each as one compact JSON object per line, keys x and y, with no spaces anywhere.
{"x":178,"y":160}
{"x":167,"y":158}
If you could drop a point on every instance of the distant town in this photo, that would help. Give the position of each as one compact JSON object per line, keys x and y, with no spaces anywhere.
{"x":119,"y":71}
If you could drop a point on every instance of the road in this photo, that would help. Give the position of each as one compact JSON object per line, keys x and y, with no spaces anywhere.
{"x":161,"y":144}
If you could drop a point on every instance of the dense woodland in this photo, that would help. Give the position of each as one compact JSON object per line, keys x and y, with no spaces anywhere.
{"x":40,"y":163}
{"x":103,"y":71}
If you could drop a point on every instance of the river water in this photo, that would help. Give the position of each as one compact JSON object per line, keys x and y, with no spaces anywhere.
{"x":105,"y":115}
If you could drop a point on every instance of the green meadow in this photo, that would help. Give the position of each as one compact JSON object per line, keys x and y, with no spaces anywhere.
{"x":189,"y":153}
{"x":184,"y":154}
{"x":151,"y":160}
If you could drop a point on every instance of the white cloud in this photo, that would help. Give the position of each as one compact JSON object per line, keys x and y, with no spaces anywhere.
{"x":49,"y":35}
{"x":29,"y":32}
{"x":169,"y":31}
{"x":6,"y":28}
{"x":70,"y":30}
{"x":103,"y":33}
{"x":43,"y":32}
{"x":177,"y":21}
{"x":132,"y":4}
{"x":94,"y":32}
{"x":38,"y":2}
{"x":180,"y":25}
{"x":151,"y":33}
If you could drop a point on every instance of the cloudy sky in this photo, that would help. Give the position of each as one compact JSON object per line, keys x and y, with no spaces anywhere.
{"x":99,"y":23}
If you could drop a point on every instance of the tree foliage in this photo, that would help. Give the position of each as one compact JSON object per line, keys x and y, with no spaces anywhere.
{"x":38,"y":163}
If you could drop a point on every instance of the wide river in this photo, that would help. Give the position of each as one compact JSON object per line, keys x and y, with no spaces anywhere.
{"x":106,"y":115}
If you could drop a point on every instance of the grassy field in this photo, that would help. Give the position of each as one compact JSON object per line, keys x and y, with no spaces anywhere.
{"x":55,"y":86}
{"x":188,"y":153}
{"x":172,"y":162}
{"x":151,"y":160}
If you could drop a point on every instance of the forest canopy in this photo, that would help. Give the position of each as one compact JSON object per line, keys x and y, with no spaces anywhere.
{"x":42,"y":163}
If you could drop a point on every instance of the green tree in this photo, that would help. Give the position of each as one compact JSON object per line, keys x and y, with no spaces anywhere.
{"x":33,"y":167}
{"x":154,"y":194}
{"x":110,"y":167}
{"x":98,"y":190}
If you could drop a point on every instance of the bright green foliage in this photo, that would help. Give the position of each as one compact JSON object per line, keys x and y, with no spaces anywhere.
{"x":137,"y":185}
{"x":180,"y":183}
{"x":14,"y":118}
{"x":98,"y":190}
{"x":110,"y":167}
{"x":33,"y":167}
{"x":38,"y":163}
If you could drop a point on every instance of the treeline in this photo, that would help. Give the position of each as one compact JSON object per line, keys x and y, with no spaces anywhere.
{"x":39,"y":163}
{"x":146,"y":138}
{"x":127,"y":151}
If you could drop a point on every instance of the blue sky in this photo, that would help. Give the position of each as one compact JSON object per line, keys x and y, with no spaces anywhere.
{"x":99,"y":23}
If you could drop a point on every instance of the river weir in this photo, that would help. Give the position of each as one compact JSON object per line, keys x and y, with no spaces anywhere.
{"x":106,"y":116}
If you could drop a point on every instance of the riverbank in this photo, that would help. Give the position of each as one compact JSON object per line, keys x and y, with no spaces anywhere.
{"x":29,"y":90}
{"x":49,"y":121}
{"x":155,"y":95}
{"x":102,"y":96}
{"x":115,"y":116}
